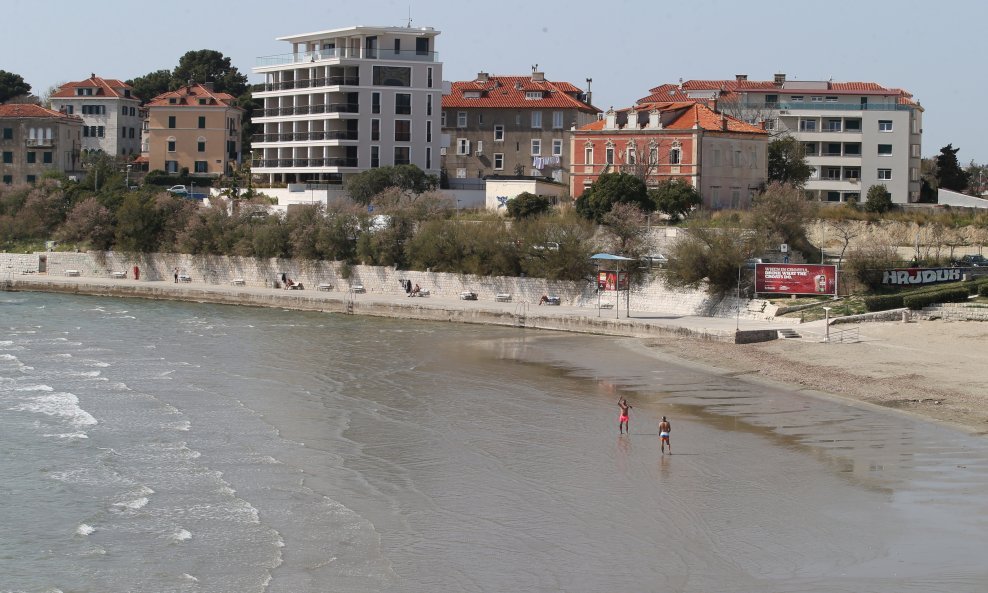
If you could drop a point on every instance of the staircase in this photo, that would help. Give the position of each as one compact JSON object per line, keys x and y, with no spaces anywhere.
{"x":789,"y":333}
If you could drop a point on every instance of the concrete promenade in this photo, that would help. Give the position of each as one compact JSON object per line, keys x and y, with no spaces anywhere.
{"x":432,"y":308}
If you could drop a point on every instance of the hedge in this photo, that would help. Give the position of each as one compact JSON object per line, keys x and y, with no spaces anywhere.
{"x":951,"y":295}
{"x":883,"y":302}
{"x":983,"y":290}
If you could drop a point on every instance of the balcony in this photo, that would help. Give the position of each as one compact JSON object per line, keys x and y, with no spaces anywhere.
{"x":40,"y":142}
{"x":339,"y":53}
{"x":308,"y":109}
{"x":812,"y":106}
{"x":307,"y":136}
{"x":304,"y":163}
{"x":309,"y":83}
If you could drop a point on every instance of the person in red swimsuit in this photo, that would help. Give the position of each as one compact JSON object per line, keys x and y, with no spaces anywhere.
{"x":623,"y":418}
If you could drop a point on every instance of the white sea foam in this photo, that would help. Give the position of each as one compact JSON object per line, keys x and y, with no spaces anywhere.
{"x":183,"y":426}
{"x":85,"y":529}
{"x":97,"y":363}
{"x":144,"y":491}
{"x":88,"y":374}
{"x":181,"y":535}
{"x":36,"y":388}
{"x":189,"y":577}
{"x":68,"y":435}
{"x":137,"y":503}
{"x":61,"y":405}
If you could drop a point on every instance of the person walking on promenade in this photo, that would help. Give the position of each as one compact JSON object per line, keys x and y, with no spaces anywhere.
{"x":664,"y":429}
{"x":623,"y":418}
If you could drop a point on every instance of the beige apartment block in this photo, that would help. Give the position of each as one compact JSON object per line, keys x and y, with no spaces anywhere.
{"x":34,"y":140}
{"x":193,"y":127}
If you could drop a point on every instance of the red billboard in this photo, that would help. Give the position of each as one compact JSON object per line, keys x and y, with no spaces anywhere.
{"x":607,"y":279}
{"x":795,"y":279}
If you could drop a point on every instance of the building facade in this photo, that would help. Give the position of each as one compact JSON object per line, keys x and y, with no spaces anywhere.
{"x":193,"y":127}
{"x":855,"y":134}
{"x":110,"y":114}
{"x":34,"y":140}
{"x":512,"y":125}
{"x":348,"y":100}
{"x":724,"y":158}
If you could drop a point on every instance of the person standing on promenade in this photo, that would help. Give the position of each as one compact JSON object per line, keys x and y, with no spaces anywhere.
{"x":623,"y":418}
{"x":664,"y":429}
{"x":176,"y":275}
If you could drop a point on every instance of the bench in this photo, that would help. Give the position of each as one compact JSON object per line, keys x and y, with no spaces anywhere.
{"x":119,"y":274}
{"x":238,"y":282}
{"x":71,"y":272}
{"x":184,"y":278}
{"x":607,"y":305}
{"x":325,"y":286}
{"x":358,"y":288}
{"x":502,"y":297}
{"x":467,"y":295}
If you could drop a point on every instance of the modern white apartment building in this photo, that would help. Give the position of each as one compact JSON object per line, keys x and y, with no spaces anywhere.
{"x":111,"y":121}
{"x":347,"y":100}
{"x":855,"y":134}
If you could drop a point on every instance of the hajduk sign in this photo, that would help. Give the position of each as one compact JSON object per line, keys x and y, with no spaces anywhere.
{"x":917,"y":276}
{"x":795,"y":279}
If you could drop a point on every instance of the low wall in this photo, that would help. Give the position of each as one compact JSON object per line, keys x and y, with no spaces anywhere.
{"x":261,"y":273}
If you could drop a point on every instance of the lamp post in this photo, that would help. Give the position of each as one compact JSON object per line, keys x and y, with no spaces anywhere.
{"x":128,"y":177}
{"x":826,"y":312}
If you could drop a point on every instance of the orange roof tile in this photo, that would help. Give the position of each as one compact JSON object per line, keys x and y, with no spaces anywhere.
{"x":189,"y":96}
{"x":730,"y":87}
{"x":32,"y":110}
{"x":104,"y":87}
{"x":687,"y":116}
{"x":509,"y":92}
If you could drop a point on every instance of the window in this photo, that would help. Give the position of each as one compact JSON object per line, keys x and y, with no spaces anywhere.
{"x":631,"y":158}
{"x":375,"y":130}
{"x":171,"y":166}
{"x":428,"y":71}
{"x":809,"y":149}
{"x":100,"y":130}
{"x":833,"y":196}
{"x":771,"y":99}
{"x":461,"y":173}
{"x":557,"y":120}
{"x":171,"y":121}
{"x":462,"y":146}
{"x":130,"y":133}
{"x":498,"y":161}
{"x":833,"y":149}
{"x":884,"y":150}
{"x":403,"y":131}
{"x":769,"y":124}
{"x":807,"y":125}
{"x":442,"y":119}
{"x":831,"y":99}
{"x":674,"y":156}
{"x":392,"y":76}
{"x":202,"y":167}
{"x":885,"y":174}
{"x":46,"y":157}
{"x":201,"y":146}
{"x":32,"y":157}
{"x":428,"y":105}
{"x":609,"y":155}
{"x":536,"y":147}
{"x":833,"y":125}
{"x":914,"y":150}
{"x":428,"y":130}
{"x":557,"y":147}
{"x":884,"y":125}
{"x":30,"y":178}
{"x":752,"y":159}
{"x":536,"y":119}
{"x":533,"y":95}
{"x":375,"y":157}
{"x":852,"y":173}
{"x":403,"y":155}
{"x":913,"y":174}
{"x":480,"y":120}
{"x":375,"y":102}
{"x":499,"y":133}
{"x":428,"y":157}
{"x":796,"y":98}
{"x":653,"y":155}
{"x":480,"y":147}
{"x":852,"y":125}
{"x":8,"y":133}
{"x":8,"y":179}
{"x":403,"y":104}
{"x":8,"y":157}
{"x":171,"y":145}
{"x":588,"y":155}
{"x":202,"y":121}
{"x":852,"y":149}
{"x":816,"y":99}
{"x":70,"y":109}
{"x":461,"y":119}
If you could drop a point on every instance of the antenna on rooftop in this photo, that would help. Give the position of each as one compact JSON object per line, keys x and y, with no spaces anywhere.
{"x":409,"y":25}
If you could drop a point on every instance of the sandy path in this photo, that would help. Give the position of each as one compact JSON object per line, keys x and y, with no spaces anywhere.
{"x":934,"y":368}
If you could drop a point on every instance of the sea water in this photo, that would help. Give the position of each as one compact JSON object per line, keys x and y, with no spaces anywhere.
{"x":161,"y":446}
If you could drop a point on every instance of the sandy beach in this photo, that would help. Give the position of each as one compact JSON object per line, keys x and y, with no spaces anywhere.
{"x":930,"y":368}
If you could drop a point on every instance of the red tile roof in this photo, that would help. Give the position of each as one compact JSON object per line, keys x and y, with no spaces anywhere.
{"x":104,"y":87}
{"x":189,"y":95}
{"x":687,"y":116}
{"x":729,"y":88}
{"x":508,"y":92}
{"x":32,"y":110}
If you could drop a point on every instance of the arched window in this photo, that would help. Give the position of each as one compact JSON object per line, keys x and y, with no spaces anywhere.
{"x":675,"y":153}
{"x":201,"y":144}
{"x":588,"y":153}
{"x":632,"y":154}
{"x":609,"y":153}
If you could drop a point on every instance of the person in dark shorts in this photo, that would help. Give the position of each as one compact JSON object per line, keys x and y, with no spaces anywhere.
{"x":665,"y":427}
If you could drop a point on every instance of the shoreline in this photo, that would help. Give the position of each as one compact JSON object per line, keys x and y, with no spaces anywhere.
{"x":928,"y":369}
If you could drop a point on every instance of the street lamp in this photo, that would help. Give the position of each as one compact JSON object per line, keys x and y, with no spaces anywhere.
{"x":826,"y":312}
{"x":128,"y":177}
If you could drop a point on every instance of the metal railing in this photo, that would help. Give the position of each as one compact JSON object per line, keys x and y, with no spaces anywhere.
{"x":360,"y":53}
{"x":301,"y":163}
{"x":307,"y":136}
{"x":39,"y":142}
{"x":827,"y":106}
{"x":310,"y":83}
{"x":308,"y":109}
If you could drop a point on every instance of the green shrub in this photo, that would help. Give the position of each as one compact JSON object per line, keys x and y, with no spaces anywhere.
{"x":951,"y":295}
{"x":983,"y":290}
{"x":883,"y":302}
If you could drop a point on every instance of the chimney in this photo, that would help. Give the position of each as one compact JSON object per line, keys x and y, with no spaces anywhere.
{"x":92,"y":75}
{"x":483,"y":77}
{"x":538,"y":76}
{"x":611,"y":119}
{"x":517,"y":86}
{"x":655,"y":119}
{"x":780,"y":79}
{"x":740,"y":77}
{"x":723,"y":122}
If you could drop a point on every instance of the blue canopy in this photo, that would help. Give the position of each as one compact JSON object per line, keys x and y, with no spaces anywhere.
{"x":608,"y":256}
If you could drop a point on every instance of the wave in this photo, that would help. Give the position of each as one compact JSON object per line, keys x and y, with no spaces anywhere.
{"x":41,"y":387}
{"x":61,"y":405}
{"x":137,"y":503}
{"x":68,"y":435}
{"x":181,"y":535}
{"x":85,"y":529}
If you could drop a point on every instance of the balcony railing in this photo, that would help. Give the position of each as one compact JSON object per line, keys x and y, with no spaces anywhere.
{"x":310,"y":83}
{"x":39,"y":142}
{"x":307,"y":136}
{"x":308,"y":109}
{"x":827,"y":106}
{"x":301,"y":163}
{"x":361,"y":53}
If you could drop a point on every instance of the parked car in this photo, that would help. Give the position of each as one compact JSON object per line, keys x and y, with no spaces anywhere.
{"x":179,"y":190}
{"x":656,"y":260}
{"x":751,"y":262}
{"x":971,"y":261}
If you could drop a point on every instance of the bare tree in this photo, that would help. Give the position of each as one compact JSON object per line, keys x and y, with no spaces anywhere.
{"x":846,"y":230}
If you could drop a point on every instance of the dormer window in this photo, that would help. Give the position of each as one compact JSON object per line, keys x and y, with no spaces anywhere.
{"x":472,"y":94}
{"x":202,"y":101}
{"x":172,"y":100}
{"x":533,"y":95}
{"x":126,"y":92}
